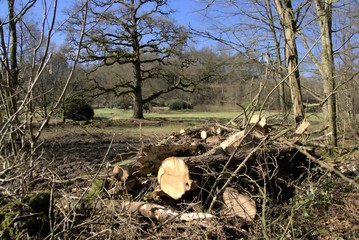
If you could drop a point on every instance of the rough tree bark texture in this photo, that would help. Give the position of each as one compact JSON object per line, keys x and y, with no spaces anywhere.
{"x":137,"y":98}
{"x":324,"y":14}
{"x":286,"y":14}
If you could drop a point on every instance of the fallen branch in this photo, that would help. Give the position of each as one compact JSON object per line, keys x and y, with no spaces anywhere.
{"x":155,"y":212}
{"x":235,"y":172}
{"x":323,"y":163}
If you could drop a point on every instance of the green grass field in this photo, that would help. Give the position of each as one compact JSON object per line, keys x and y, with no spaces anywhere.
{"x":174,"y":121}
{"x":114,"y":114}
{"x":164,"y":122}
{"x":221,"y":116}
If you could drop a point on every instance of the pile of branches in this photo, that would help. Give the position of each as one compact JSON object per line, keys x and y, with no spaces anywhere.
{"x":216,"y":174}
{"x":240,"y":180}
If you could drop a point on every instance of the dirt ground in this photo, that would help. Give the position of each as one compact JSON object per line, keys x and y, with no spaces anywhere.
{"x":72,"y":149}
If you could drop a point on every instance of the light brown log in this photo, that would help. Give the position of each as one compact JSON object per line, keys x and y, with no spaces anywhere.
{"x":121,"y":173}
{"x":173,"y":177}
{"x":257,"y":119}
{"x":213,"y":140}
{"x":239,"y":205}
{"x":150,"y":161}
{"x":260,"y":123}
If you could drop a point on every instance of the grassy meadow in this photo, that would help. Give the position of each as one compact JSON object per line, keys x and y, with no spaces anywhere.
{"x":188,"y":118}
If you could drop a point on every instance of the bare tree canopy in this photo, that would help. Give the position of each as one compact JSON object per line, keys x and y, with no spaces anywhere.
{"x":139,"y":35}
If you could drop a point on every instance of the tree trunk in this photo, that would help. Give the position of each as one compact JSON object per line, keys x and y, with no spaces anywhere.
{"x":137,"y":104}
{"x":286,"y":13}
{"x":279,"y":62}
{"x":324,"y":13}
{"x":12,"y":77}
{"x":137,"y":91}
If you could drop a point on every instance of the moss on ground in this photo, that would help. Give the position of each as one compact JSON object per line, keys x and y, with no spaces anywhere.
{"x":28,"y":215}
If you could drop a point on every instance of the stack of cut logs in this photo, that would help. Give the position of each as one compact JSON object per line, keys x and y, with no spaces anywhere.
{"x":211,"y":160}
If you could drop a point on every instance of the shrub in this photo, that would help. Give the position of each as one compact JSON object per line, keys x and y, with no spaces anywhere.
{"x":175,"y":104}
{"x":78,"y":110}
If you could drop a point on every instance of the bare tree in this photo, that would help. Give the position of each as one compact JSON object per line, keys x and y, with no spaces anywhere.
{"x":23,"y":65}
{"x":279,"y":63}
{"x":140,"y":35}
{"x":326,"y":68}
{"x":275,"y":39}
{"x":285,"y":11}
{"x":345,"y":19}
{"x":10,"y":68}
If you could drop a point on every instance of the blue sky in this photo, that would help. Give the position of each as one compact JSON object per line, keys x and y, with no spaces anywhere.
{"x":187,"y":13}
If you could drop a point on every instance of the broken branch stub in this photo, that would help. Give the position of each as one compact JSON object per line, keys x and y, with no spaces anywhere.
{"x":302,"y":127}
{"x":260,"y":123}
{"x":232,"y":142}
{"x":173,"y":177}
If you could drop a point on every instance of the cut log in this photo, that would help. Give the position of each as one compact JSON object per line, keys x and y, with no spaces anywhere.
{"x":218,"y":131}
{"x":121,"y":173}
{"x":239,"y":205}
{"x":204,"y":135}
{"x":213,"y":140}
{"x":173,"y":177}
{"x":210,"y":131}
{"x":150,"y":161}
{"x":257,"y":119}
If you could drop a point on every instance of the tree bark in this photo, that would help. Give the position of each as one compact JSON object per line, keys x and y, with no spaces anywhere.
{"x":138,"y":103}
{"x":137,"y":91}
{"x":285,"y":11}
{"x":324,"y":14}
{"x":12,"y":77}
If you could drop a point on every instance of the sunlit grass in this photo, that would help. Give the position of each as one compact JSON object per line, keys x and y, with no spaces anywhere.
{"x":183,"y":119}
{"x":114,"y":114}
{"x":193,"y":115}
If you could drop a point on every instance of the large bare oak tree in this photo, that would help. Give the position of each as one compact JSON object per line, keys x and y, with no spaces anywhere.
{"x":140,"y":35}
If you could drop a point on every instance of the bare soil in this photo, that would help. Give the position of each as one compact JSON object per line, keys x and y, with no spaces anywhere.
{"x":72,"y":149}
